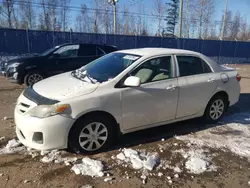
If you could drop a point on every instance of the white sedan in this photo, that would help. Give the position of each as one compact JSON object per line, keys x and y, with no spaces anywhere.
{"x":122,"y":92}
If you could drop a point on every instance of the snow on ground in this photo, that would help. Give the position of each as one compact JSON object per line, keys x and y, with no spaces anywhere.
{"x":234,"y":135}
{"x":55,"y":156}
{"x":89,"y":167}
{"x":13,"y":146}
{"x":197,"y":160}
{"x":139,"y":160}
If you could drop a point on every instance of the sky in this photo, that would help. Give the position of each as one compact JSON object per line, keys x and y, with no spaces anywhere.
{"x":241,"y":6}
{"x":234,"y":5}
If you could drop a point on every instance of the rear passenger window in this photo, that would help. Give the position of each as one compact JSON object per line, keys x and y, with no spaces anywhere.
{"x":87,"y":50}
{"x":189,"y":65}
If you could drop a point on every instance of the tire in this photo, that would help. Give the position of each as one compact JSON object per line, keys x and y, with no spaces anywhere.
{"x":32,"y":78}
{"x":80,"y":133}
{"x":215,"y":109}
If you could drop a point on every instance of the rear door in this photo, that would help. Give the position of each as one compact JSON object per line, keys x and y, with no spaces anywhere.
{"x":196,"y":83}
{"x":87,"y":53}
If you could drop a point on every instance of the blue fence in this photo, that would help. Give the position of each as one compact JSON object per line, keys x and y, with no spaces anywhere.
{"x":17,"y":42}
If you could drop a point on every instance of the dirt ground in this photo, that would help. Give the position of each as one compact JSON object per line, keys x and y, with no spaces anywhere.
{"x":233,"y":171}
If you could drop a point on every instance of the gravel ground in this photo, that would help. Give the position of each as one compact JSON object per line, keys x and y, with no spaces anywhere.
{"x":200,"y":156}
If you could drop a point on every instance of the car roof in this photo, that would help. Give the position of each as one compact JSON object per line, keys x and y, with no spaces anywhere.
{"x":148,"y":52}
{"x":157,"y":51}
{"x":105,"y":45}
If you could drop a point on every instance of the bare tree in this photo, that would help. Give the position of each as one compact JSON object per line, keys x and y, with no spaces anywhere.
{"x":64,"y":14}
{"x":28,"y":16}
{"x":204,"y":10}
{"x":159,"y":10}
{"x":228,"y":23}
{"x":208,"y":15}
{"x":44,"y":17}
{"x":83,"y":22}
{"x":49,"y":15}
{"x":7,"y":10}
{"x":186,"y":21}
{"x":126,"y":21}
{"x":235,"y":27}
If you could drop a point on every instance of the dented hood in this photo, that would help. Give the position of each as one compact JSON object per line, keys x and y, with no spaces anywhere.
{"x":64,"y":86}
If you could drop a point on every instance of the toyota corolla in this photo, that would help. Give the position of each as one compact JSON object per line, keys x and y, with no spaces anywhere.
{"x":122,"y":92}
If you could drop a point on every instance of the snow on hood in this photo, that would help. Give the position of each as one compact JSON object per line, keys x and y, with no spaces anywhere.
{"x":64,"y":86}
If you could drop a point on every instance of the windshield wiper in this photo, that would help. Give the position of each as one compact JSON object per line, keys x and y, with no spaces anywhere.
{"x":92,"y":80}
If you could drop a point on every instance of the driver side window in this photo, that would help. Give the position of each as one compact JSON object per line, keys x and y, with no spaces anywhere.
{"x":154,"y":70}
{"x":68,"y":51}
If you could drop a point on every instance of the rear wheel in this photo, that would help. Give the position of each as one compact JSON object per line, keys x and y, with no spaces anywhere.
{"x":215,"y":109}
{"x":92,"y":134}
{"x":33,"y":78}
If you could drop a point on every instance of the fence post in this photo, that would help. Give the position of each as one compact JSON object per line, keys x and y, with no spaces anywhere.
{"x":235,"y":50}
{"x":220,"y":50}
{"x":135,"y":40}
{"x":202,"y":43}
{"x":53,"y":37}
{"x":70,"y":35}
{"x":161,"y":38}
{"x":28,"y":41}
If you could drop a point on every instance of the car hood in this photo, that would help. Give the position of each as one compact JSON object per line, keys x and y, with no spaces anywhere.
{"x":23,"y":59}
{"x":63,"y":86}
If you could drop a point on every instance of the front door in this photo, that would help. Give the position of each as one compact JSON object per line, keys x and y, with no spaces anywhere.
{"x":155,"y":100}
{"x":64,"y":59}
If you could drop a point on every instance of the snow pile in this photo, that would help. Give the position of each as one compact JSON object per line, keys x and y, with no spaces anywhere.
{"x":13,"y":146}
{"x":89,"y":167}
{"x":197,"y":161}
{"x":139,"y":160}
{"x":55,"y":156}
{"x":233,"y":136}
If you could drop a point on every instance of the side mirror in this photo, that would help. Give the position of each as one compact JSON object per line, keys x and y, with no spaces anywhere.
{"x":132,"y":81}
{"x":55,"y":56}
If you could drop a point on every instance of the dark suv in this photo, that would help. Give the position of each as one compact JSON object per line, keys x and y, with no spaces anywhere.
{"x":62,"y":58}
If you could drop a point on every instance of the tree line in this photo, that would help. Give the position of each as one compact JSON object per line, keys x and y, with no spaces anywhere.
{"x":97,"y":17}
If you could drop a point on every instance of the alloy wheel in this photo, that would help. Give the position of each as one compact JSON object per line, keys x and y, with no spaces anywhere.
{"x":217,"y":109}
{"x":34,"y":78}
{"x":93,"y":136}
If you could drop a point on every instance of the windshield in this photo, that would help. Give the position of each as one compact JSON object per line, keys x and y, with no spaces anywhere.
{"x":107,"y":67}
{"x":47,"y":52}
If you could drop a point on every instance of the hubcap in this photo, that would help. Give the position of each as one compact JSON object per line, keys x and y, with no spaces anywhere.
{"x":217,"y":109}
{"x":93,"y":136}
{"x":33,"y":78}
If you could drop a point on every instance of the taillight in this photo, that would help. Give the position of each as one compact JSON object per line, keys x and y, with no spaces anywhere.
{"x":238,"y":77}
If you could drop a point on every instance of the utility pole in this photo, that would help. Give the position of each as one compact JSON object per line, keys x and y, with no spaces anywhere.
{"x":224,"y":20}
{"x":180,"y":18}
{"x":114,"y":2}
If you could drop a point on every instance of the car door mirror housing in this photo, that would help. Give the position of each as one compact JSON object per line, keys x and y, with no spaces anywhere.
{"x":132,"y":81}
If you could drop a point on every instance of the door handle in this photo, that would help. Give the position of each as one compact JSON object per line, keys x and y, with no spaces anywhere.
{"x":171,"y":87}
{"x":210,"y":80}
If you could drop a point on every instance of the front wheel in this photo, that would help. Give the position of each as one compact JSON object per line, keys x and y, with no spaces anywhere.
{"x":91,"y":134}
{"x":32,"y":78}
{"x":215,"y":109}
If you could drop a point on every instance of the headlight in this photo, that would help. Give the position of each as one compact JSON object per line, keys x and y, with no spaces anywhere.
{"x":14,"y":65}
{"x":44,"y":111}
